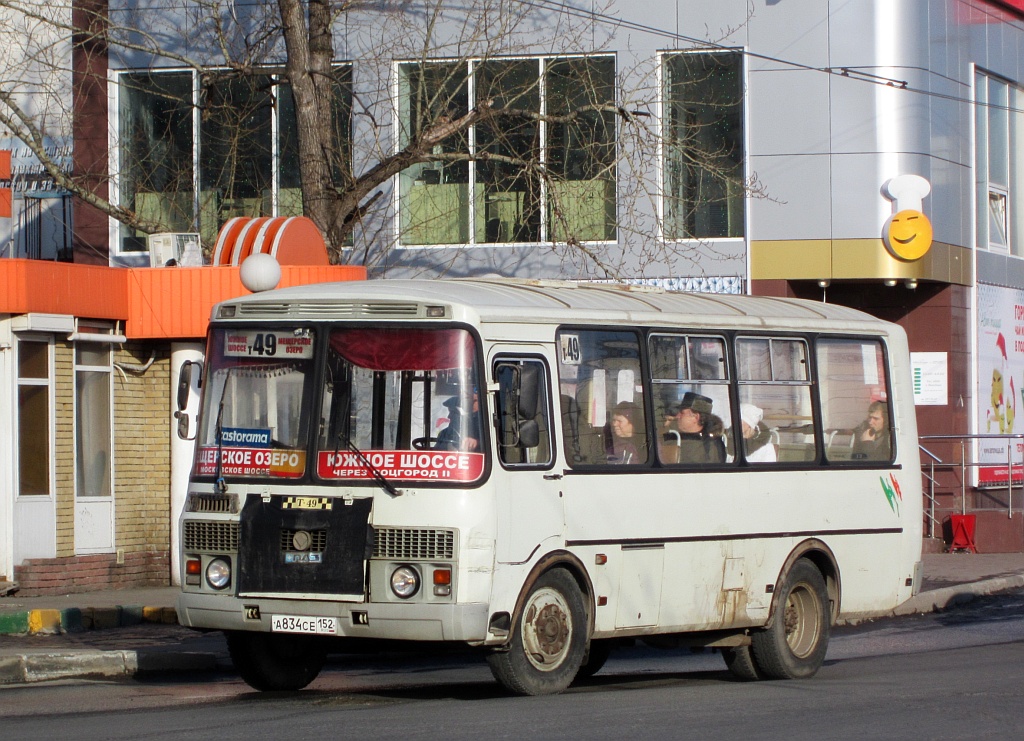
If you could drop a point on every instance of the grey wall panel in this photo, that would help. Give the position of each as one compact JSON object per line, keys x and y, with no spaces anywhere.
{"x":794,"y":31}
{"x":788,"y":112}
{"x":854,"y":106}
{"x":798,"y":204}
{"x":858,"y":207}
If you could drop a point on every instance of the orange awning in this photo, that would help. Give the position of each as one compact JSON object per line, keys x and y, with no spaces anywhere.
{"x":153,"y":303}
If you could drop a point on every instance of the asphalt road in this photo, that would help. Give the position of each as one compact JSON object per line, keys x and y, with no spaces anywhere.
{"x":951,"y":675}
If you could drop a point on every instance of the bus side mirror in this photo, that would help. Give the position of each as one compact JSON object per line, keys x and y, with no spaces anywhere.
{"x":529,"y":433}
{"x":529,"y":390}
{"x":189,"y":375}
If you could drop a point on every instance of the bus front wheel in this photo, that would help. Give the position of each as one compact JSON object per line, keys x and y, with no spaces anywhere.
{"x":271,"y":661}
{"x":548,"y":638}
{"x":794,"y":645}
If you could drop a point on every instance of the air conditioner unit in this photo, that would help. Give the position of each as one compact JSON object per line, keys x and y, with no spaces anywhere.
{"x":181,"y":247}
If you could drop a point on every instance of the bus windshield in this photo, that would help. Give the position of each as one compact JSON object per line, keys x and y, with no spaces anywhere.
{"x":255,"y":420}
{"x":404,"y":401}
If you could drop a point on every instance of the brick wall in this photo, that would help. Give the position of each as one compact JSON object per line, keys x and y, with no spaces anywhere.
{"x":142,"y":450}
{"x":44,"y":576}
{"x":64,"y":446}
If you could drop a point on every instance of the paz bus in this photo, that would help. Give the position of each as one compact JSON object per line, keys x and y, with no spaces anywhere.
{"x":516,"y":466}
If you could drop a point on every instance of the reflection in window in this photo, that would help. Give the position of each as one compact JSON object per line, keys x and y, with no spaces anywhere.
{"x":691,"y":398}
{"x":524,"y":419}
{"x":704,"y":145}
{"x":853,"y":391}
{"x":156,"y":144}
{"x":93,"y":441}
{"x":237,"y":149}
{"x":33,"y":418}
{"x":775,"y":398}
{"x":999,"y":144}
{"x":509,"y":199}
{"x":599,"y":379}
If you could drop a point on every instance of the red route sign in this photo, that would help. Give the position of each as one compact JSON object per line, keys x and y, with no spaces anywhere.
{"x":405,"y":465}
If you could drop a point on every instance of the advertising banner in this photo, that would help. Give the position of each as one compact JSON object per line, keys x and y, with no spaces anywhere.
{"x":1001,"y":382}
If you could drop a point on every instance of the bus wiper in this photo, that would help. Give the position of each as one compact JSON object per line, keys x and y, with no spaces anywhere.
{"x":375,"y":472}
{"x":219,"y":485}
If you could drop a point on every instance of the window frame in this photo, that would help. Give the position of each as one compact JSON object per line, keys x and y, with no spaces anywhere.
{"x":49,"y":382}
{"x":471,"y":211}
{"x":665,"y":123}
{"x":121,"y":234}
{"x":108,"y":370}
{"x":547,"y":407}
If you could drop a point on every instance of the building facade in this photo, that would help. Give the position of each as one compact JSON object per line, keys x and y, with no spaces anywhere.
{"x":712,"y":145}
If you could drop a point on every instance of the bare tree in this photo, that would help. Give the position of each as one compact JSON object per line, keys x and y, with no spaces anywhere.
{"x":561,"y":154}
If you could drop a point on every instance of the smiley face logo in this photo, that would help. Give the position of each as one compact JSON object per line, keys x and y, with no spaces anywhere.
{"x":907,"y":234}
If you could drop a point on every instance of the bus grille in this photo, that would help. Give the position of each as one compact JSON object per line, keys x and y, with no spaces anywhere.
{"x":219,"y":503}
{"x":409,"y":543}
{"x":318,"y":540}
{"x":331,"y":310}
{"x":210,"y":537}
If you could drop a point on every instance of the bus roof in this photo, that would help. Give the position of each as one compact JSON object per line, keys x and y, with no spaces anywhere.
{"x":515,"y":300}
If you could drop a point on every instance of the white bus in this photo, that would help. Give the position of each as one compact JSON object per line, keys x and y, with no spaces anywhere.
{"x":545,"y":471}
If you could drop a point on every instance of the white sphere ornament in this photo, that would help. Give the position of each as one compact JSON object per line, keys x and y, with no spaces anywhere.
{"x":260,"y":272}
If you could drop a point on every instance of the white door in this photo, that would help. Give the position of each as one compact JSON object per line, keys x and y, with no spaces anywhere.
{"x":34,"y":511}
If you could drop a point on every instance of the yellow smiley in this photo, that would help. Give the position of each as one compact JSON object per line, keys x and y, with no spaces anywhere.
{"x":907,"y":235}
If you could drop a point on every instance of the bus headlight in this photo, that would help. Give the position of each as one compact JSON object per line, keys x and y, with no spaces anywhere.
{"x":405,"y":582}
{"x":218,"y":573}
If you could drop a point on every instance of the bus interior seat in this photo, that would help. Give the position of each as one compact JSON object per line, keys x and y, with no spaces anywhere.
{"x":839,"y":444}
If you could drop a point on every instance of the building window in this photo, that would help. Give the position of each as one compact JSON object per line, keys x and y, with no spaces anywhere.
{"x":93,"y":440}
{"x":242,"y":133}
{"x":516,"y":179}
{"x":35,"y":387}
{"x":999,"y":162}
{"x":703,"y":145}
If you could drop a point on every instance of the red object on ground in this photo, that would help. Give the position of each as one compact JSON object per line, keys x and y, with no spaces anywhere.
{"x":963,"y":533}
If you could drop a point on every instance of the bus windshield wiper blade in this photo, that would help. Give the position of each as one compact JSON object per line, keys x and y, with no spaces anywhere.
{"x":219,"y":485}
{"x":375,"y":472}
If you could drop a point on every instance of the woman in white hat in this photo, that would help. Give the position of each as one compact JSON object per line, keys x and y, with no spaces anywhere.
{"x":757,"y":438}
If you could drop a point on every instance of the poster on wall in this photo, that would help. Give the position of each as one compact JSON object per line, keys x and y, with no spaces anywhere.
{"x":931,"y":381}
{"x":1001,"y":383}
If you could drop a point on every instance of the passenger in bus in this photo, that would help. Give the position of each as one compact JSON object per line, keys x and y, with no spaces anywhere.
{"x":871,"y":439}
{"x":698,"y":433}
{"x":757,"y":438}
{"x":626,"y":443}
{"x":463,"y":429}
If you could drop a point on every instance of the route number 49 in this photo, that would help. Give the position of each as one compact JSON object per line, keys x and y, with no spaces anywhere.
{"x":264,"y":344}
{"x":570,"y":349}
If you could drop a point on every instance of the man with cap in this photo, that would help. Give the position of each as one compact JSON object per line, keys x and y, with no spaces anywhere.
{"x":699,"y":437}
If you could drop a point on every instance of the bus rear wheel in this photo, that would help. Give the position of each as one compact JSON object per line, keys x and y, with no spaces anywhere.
{"x":275,"y":662}
{"x":794,"y":645}
{"x":548,"y":639}
{"x":740,"y":662}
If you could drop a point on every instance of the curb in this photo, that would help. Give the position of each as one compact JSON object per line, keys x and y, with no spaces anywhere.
{"x":937,"y":600}
{"x":75,"y":619}
{"x":44,"y":666}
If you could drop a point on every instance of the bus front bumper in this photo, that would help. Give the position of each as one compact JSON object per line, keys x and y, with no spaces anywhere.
{"x":396,"y":621}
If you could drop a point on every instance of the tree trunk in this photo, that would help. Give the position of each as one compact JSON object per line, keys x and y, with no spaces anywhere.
{"x":310,"y":51}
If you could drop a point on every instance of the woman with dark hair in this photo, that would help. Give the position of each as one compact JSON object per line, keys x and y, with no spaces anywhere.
{"x":626,"y":442}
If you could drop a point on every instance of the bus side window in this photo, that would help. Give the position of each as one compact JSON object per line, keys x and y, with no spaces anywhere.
{"x":775,"y":400}
{"x":523,"y":413}
{"x":854,"y":395}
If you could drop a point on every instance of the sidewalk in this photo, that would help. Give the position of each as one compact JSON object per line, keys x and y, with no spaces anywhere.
{"x":134,"y":631}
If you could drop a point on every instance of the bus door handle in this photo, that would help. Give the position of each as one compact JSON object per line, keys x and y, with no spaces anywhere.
{"x":552,"y":476}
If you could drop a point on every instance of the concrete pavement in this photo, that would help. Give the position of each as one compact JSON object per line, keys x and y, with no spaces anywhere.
{"x":134,"y":631}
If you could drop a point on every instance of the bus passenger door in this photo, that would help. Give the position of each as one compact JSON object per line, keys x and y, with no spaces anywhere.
{"x":529,"y":502}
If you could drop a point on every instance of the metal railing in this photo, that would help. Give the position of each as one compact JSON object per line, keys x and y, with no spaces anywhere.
{"x":932,"y":466}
